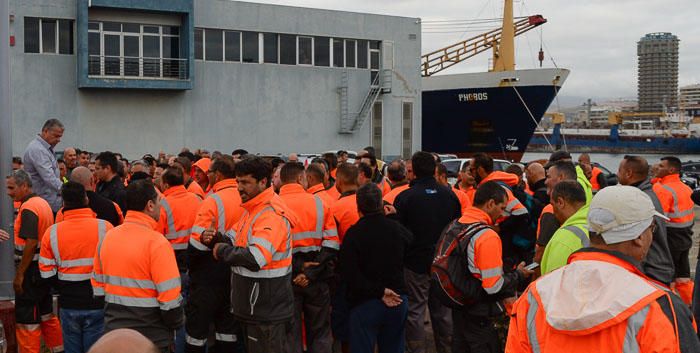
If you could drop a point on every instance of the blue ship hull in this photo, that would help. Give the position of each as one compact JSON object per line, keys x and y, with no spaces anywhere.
{"x":492,"y":120}
{"x":619,"y":145}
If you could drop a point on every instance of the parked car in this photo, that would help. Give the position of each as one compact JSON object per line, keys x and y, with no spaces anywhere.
{"x":455,"y":165}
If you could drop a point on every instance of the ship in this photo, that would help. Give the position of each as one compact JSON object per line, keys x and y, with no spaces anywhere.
{"x":494,"y":112}
{"x":658,"y":133}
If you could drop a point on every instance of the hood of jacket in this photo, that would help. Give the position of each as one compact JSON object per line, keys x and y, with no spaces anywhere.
{"x":507,"y":178}
{"x":595,"y":291}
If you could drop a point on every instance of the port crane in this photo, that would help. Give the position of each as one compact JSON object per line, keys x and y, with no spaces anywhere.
{"x":616,"y":118}
{"x":500,"y":40}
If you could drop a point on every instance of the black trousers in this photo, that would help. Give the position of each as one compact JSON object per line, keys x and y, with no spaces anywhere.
{"x":36,"y":300}
{"x":474,"y":334}
{"x":314,"y":302}
{"x":208,"y":305}
{"x":266,"y":337}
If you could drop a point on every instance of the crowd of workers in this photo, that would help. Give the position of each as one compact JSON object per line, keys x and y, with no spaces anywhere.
{"x":237,"y":253}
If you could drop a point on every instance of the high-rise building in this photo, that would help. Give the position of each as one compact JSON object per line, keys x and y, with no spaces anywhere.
{"x":657,"y":71}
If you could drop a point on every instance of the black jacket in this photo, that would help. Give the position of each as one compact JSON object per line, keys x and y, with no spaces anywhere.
{"x":539,"y":192}
{"x":426,"y":208}
{"x":113,"y":190}
{"x":103,"y":208}
{"x":658,"y":263}
{"x":372,"y":258}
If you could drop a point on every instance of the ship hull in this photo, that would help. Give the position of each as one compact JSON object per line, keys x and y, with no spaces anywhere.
{"x":627,"y":144}
{"x":495,"y":112}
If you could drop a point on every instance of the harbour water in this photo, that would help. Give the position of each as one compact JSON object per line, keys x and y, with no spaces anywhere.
{"x":610,"y":161}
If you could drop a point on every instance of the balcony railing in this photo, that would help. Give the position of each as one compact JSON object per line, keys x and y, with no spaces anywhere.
{"x":137,"y":68}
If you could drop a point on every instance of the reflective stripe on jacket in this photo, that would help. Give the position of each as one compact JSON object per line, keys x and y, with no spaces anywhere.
{"x":484,"y":251}
{"x":675,"y":199}
{"x":177,"y":215}
{"x":223,"y":208}
{"x":68,"y":247}
{"x":513,"y":207}
{"x":315,"y":227}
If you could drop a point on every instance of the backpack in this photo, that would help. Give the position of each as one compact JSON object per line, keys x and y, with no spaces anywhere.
{"x":454,"y":284}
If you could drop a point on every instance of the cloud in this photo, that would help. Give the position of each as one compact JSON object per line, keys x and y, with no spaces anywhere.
{"x":596,"y":39}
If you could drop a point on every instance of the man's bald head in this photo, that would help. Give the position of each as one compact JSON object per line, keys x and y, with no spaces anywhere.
{"x":123,"y":340}
{"x":83,"y":176}
{"x":535,"y":172}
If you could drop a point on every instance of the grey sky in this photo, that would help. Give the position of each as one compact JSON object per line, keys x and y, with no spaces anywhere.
{"x":596,"y":39}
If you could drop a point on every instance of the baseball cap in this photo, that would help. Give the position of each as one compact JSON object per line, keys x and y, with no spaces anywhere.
{"x":621,"y":213}
{"x":203,"y":164}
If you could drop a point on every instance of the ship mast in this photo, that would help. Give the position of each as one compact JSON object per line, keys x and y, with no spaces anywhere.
{"x":504,"y":51}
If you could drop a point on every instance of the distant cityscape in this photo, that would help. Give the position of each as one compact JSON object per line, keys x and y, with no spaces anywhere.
{"x":657,"y":92}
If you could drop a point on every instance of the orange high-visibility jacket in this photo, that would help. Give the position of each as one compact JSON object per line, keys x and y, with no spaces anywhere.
{"x":464,"y":200}
{"x":136,"y":271}
{"x":321,"y":192}
{"x":597,"y":303}
{"x":333,"y":193}
{"x":178,"y":211}
{"x":391,"y":196}
{"x":345,"y":213}
{"x":265,"y":229}
{"x":315,"y":227}
{"x":384,"y":186}
{"x":675,"y":199}
{"x":41,"y":209}
{"x":514,"y":207}
{"x":223,"y":208}
{"x":68,"y":247}
{"x":595,"y":186}
{"x":484,"y":251}
{"x":196,"y":189}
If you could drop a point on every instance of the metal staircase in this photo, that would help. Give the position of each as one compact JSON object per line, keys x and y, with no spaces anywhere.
{"x":352,"y":122}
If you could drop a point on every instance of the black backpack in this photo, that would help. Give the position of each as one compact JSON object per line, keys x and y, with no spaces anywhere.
{"x":454,"y":284}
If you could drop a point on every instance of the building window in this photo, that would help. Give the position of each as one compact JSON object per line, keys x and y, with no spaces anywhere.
{"x":270,"y":45}
{"x":232,"y":46}
{"x":288,"y":49}
{"x":322,"y":51}
{"x":306,"y":45}
{"x":374,"y":59}
{"x":48,"y":36}
{"x":133,"y":50}
{"x":199,"y":44}
{"x":338,"y":53}
{"x":362,"y":54}
{"x":213,"y":45}
{"x":350,"y":53}
{"x":250,"y":47}
{"x":377,"y":112}
{"x":407,"y":130}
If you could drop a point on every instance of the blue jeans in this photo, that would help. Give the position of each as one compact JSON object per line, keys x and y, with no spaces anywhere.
{"x":81,"y":328}
{"x":372,"y":322}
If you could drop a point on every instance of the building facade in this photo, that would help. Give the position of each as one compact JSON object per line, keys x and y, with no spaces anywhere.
{"x":146,"y":76}
{"x":690,"y":100}
{"x":657,"y":72}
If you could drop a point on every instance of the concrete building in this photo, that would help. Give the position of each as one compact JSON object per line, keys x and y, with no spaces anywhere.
{"x":657,"y":71}
{"x":144,"y":76}
{"x":690,"y":100}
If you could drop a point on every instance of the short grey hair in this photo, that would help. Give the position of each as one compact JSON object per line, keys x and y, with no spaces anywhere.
{"x":21,"y":177}
{"x":52,"y":123}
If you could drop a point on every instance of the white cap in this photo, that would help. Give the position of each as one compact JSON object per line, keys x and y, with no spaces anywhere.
{"x":621,"y":213}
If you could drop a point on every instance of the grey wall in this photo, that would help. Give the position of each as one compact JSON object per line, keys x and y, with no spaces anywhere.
{"x":264,"y":108}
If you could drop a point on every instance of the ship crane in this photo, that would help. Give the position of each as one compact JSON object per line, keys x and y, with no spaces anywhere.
{"x":499,"y":40}
{"x":616,"y":118}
